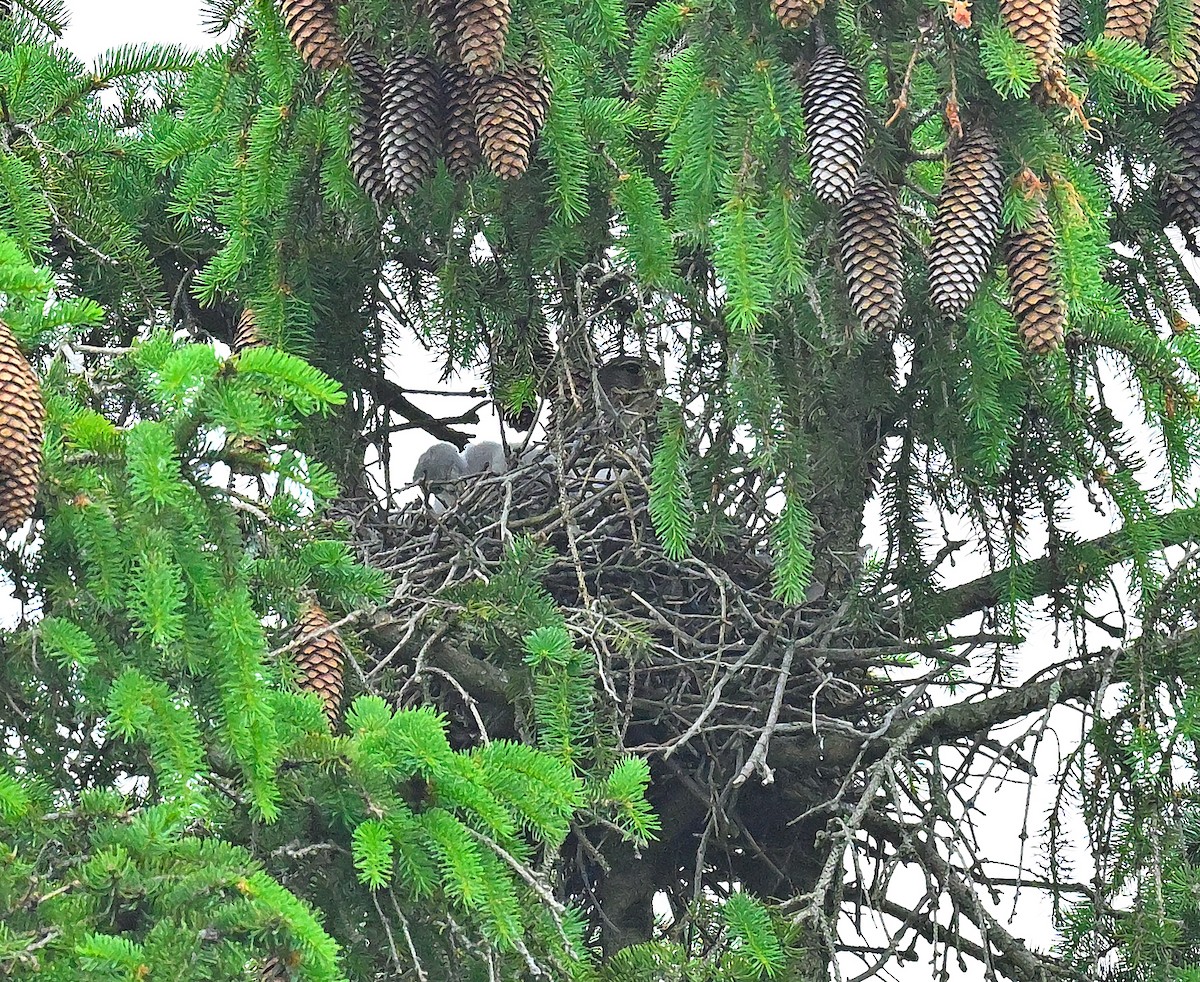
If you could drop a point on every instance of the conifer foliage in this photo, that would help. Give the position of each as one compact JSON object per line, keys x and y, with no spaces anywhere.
{"x":690,"y":690}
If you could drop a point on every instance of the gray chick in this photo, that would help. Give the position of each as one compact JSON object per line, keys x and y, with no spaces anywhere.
{"x":485,"y":457}
{"x":438,"y":468}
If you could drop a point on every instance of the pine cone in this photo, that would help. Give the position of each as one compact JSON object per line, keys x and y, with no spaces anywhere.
{"x":443,"y":25}
{"x":967,"y":223}
{"x":275,"y":969}
{"x":506,"y":124}
{"x":410,"y":123}
{"x":538,"y":87}
{"x":246,"y":334}
{"x":366,"y":160}
{"x":1071,"y":22}
{"x":1035,"y":24}
{"x":22,"y":421}
{"x":835,"y":118}
{"x":321,"y":660}
{"x":461,"y":140}
{"x":795,"y":14}
{"x":312,"y":26}
{"x":482,"y":33}
{"x":1181,"y":187}
{"x":871,"y":256}
{"x":1129,"y":19}
{"x":1033,"y":284}
{"x":245,"y":452}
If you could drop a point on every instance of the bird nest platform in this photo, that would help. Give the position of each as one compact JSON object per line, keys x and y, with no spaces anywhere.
{"x":694,"y":663}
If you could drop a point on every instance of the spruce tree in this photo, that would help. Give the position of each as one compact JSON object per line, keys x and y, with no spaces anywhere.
{"x":643,"y":706}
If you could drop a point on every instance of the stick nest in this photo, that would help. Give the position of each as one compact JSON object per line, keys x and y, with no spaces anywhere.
{"x":694,"y":657}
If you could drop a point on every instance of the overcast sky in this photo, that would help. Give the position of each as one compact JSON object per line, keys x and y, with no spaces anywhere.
{"x":100,"y":24}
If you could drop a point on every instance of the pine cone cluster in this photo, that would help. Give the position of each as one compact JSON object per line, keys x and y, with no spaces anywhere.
{"x":1033,"y":283}
{"x":871,"y":262}
{"x":1036,"y":25}
{"x":1129,"y":19}
{"x":835,"y":120}
{"x":1181,"y":187}
{"x":22,"y":419}
{"x":312,"y":26}
{"x":321,"y":659}
{"x":967,"y":223}
{"x":795,"y":14}
{"x":417,"y":111}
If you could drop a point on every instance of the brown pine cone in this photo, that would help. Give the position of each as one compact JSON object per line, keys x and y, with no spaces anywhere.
{"x":22,"y":423}
{"x":461,"y":140}
{"x":410,"y":136}
{"x":1033,"y":284}
{"x":312,"y":26}
{"x":871,"y":262}
{"x":1129,"y":19}
{"x":506,"y":124}
{"x":366,"y":157}
{"x":795,"y":14}
{"x":835,"y":122}
{"x":967,"y":223}
{"x":321,"y":659}
{"x":1036,"y":25}
{"x":482,"y":34}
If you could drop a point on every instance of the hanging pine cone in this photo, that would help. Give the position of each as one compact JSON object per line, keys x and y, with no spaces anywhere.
{"x":275,"y":969}
{"x":443,"y":25}
{"x":320,"y":659}
{"x":366,"y":160}
{"x":1033,"y":284}
{"x":22,"y":419}
{"x":506,"y":124}
{"x":1035,"y":24}
{"x":538,"y":88}
{"x":312,"y":26}
{"x":461,"y":140}
{"x":1181,"y":186}
{"x":1072,"y":25}
{"x":245,"y":452}
{"x":1129,"y":19}
{"x":835,"y":118}
{"x":246,"y":334}
{"x":795,"y":14}
{"x":967,"y":223}
{"x":482,"y":33}
{"x":410,"y":123}
{"x":871,"y":260}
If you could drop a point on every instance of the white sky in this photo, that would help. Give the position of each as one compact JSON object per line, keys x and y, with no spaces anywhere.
{"x":97,"y":25}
